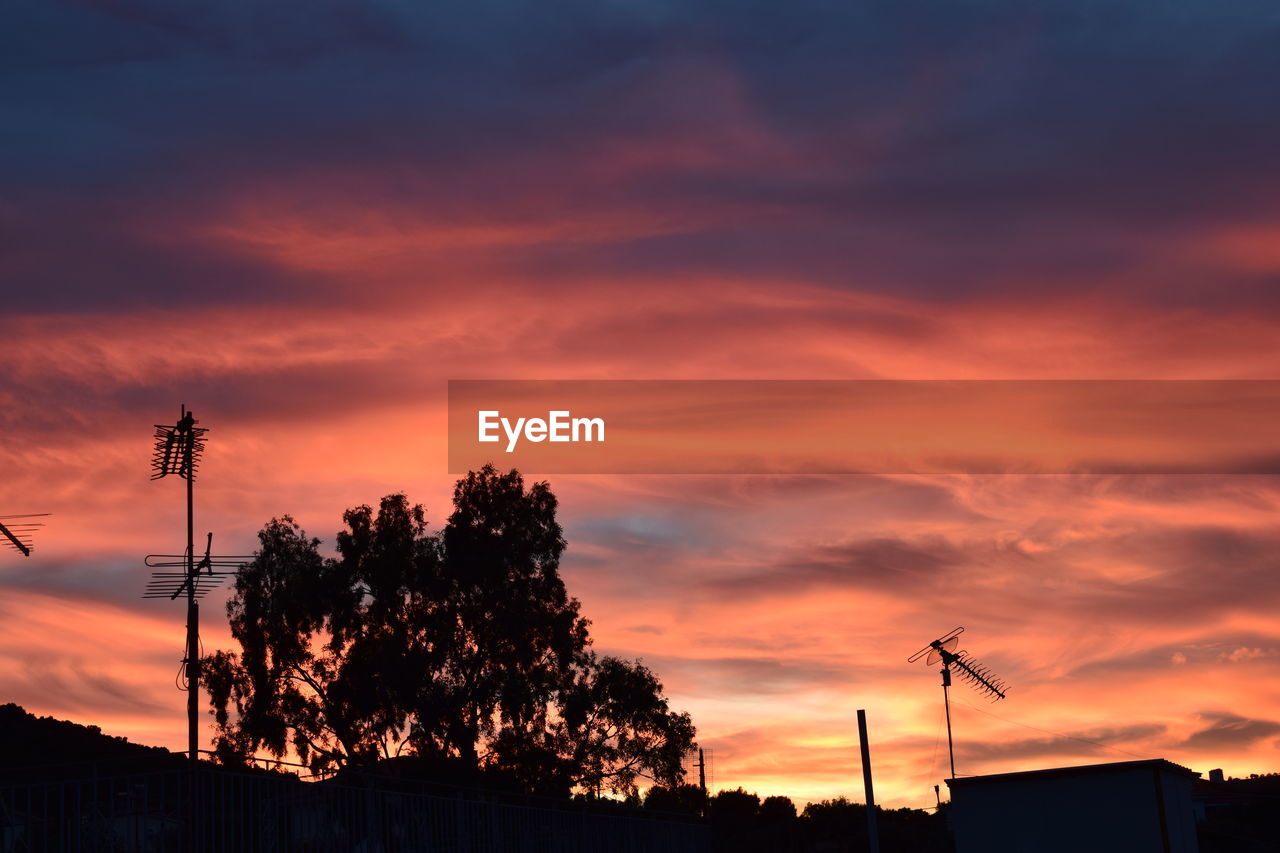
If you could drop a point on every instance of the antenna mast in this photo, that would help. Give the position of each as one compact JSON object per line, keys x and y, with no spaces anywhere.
{"x":979,"y":677}
{"x":178,"y":450}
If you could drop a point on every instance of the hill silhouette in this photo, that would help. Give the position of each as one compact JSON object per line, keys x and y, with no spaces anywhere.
{"x":33,"y":748}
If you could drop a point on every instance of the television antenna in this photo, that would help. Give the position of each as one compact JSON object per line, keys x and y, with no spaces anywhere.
{"x":16,"y":531}
{"x":198,"y":581}
{"x":178,"y":449}
{"x":943,"y":650}
{"x":703,"y":762}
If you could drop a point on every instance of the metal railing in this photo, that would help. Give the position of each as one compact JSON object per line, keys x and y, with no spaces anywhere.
{"x":211,"y":810}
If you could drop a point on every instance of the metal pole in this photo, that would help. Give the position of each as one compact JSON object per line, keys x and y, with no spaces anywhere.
{"x":946,"y":702}
{"x":193,"y":678}
{"x":873,"y":834}
{"x":193,"y":620}
{"x":702,"y":772}
{"x":193,"y":654}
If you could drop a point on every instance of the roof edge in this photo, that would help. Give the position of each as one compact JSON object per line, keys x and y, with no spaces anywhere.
{"x":1082,"y":769}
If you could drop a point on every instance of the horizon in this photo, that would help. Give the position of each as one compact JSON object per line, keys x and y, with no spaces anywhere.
{"x":303,"y":227}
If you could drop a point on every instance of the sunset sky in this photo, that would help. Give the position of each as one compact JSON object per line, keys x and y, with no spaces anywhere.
{"x":302,"y":219}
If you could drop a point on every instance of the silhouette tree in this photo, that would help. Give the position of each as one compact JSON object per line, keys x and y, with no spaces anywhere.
{"x":510,"y":635}
{"x":777,"y":809}
{"x":326,"y":645}
{"x":460,"y":647}
{"x":682,"y":799}
{"x":616,"y":727}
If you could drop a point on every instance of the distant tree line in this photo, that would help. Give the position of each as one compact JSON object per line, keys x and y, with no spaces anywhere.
{"x":460,"y":649}
{"x":741,"y":822}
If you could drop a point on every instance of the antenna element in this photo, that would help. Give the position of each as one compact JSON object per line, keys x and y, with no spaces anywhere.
{"x":978,"y":676}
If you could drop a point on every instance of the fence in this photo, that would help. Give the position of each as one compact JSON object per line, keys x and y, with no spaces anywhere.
{"x":211,"y":811}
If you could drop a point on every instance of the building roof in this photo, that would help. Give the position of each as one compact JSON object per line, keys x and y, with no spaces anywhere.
{"x":1081,"y":770}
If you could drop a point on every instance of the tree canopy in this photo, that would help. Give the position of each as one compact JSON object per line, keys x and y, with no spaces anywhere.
{"x":462,"y":647}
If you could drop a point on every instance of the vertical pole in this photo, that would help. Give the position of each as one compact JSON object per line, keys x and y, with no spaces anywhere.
{"x":702,"y":782}
{"x":946,"y":703}
{"x":193,"y":650}
{"x":193,"y":678}
{"x":193,"y":617}
{"x":873,"y":834}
